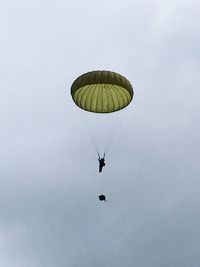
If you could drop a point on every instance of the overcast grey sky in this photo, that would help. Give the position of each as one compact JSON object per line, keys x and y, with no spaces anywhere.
{"x":49,"y":181}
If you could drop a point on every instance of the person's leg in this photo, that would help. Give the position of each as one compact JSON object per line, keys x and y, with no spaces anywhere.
{"x":100,"y":168}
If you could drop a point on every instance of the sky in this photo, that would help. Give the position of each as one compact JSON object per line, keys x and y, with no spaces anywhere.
{"x":49,"y":181}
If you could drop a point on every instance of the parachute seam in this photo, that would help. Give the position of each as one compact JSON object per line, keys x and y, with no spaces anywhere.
{"x":107,"y":98}
{"x":87,"y":97}
{"x":79,"y":96}
{"x":87,"y":91}
{"x":121,"y":93}
{"x":92,"y":97}
{"x":110,"y":97}
{"x":117,"y":96}
{"x":97,"y":96}
{"x":111,"y":92}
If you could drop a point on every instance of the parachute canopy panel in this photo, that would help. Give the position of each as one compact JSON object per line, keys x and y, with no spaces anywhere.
{"x":102,"y":91}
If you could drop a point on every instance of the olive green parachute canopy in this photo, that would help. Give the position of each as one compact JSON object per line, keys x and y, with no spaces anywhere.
{"x":102,"y":91}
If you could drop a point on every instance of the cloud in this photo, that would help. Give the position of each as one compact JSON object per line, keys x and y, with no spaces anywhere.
{"x":49,"y":210}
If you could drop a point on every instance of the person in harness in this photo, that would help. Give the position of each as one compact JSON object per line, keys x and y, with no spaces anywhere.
{"x":101,"y":162}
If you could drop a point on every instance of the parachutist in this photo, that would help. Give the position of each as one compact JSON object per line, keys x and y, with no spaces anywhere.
{"x":102,"y":198}
{"x":101,"y":163}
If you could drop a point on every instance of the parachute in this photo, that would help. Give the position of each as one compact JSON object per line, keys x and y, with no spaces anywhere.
{"x":102,"y":91}
{"x":99,"y":94}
